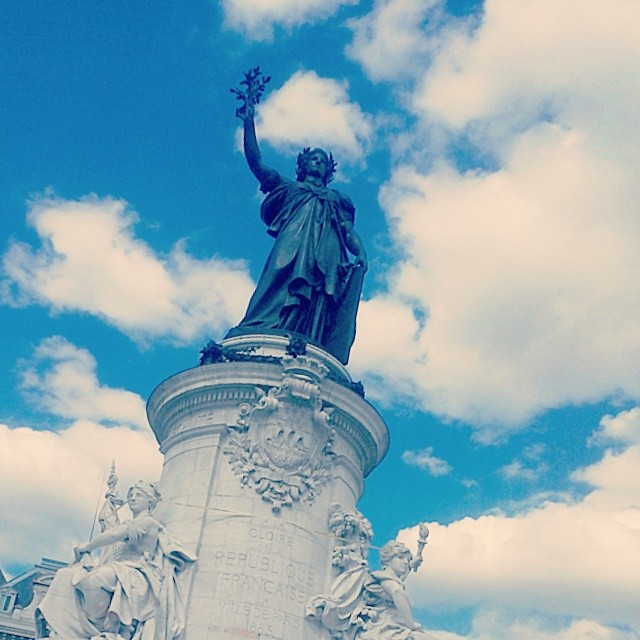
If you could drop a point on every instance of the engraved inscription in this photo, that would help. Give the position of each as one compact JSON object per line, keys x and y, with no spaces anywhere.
{"x":261,"y":585}
{"x":262,"y":579}
{"x":261,"y":620}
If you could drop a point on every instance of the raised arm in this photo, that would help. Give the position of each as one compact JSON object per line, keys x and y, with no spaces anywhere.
{"x":249,"y":93}
{"x":252,"y":149}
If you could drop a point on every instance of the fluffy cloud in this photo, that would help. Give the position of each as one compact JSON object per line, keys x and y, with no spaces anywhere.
{"x":526,"y":274}
{"x":558,"y":560}
{"x":530,"y":469}
{"x":257,"y":18}
{"x":498,"y":625}
{"x":535,"y":60}
{"x":622,"y":428}
{"x":61,"y":379}
{"x":58,"y":477}
{"x":312,"y":111}
{"x":56,"y":481}
{"x":529,"y":279}
{"x":397,"y":38}
{"x":90,"y":260}
{"x":424,"y":459}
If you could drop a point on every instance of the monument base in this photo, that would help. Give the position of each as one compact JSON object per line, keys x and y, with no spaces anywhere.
{"x":258,"y":448}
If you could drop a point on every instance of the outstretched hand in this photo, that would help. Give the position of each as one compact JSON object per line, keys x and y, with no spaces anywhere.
{"x":361,"y":262}
{"x":246,"y":112}
{"x":79,"y":552}
{"x":250,"y":92}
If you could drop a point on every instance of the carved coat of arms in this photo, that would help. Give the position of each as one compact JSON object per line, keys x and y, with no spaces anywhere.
{"x":282,"y":445}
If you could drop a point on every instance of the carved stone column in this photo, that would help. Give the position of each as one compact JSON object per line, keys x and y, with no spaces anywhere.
{"x":258,"y":447}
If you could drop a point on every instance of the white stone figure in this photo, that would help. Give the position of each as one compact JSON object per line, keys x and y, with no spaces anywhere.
{"x":390,"y":616}
{"x":134,"y":596}
{"x":364,"y":604}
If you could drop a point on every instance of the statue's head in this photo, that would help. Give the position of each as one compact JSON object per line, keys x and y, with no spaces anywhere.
{"x":306,"y":156}
{"x":146,"y":490}
{"x":393,"y":549}
{"x":397,"y":557}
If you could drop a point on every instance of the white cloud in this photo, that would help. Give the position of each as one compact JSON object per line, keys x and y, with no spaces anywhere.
{"x":385,"y":342}
{"x":518,"y":470}
{"x":61,"y":379}
{"x":312,"y":111}
{"x":531,"y":292}
{"x":535,"y":59}
{"x":257,"y":18}
{"x":56,"y":480}
{"x":501,"y":625}
{"x":560,"y":560}
{"x":530,"y":469}
{"x":529,"y":278}
{"x":622,"y":428}
{"x":424,"y":459}
{"x":90,"y":260}
{"x":396,"y":39}
{"x":527,"y":274}
{"x":58,"y":477}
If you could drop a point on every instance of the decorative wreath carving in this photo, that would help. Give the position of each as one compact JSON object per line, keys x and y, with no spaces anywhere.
{"x":282,"y":445}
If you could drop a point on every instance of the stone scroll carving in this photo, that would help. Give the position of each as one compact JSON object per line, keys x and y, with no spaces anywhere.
{"x":131,"y":593}
{"x":282,"y":445}
{"x":364,"y":604}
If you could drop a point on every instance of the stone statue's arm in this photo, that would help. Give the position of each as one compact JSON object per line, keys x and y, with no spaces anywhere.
{"x":354,"y":244}
{"x":401,"y":602}
{"x":116,"y":534}
{"x":252,"y":149}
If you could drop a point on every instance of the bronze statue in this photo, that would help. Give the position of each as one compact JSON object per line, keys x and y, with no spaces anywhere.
{"x":308,"y":285}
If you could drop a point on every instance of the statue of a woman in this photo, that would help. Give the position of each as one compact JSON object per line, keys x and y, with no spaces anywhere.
{"x":136,"y":588}
{"x":309,"y":285}
{"x":385,"y":594}
{"x":371,"y":605}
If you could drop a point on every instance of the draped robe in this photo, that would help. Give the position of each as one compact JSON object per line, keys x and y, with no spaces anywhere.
{"x":308,"y":285}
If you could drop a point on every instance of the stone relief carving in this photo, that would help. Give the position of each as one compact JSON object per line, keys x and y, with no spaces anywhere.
{"x":353,"y":534}
{"x":132,"y":592}
{"x":364,"y":604}
{"x":282,"y":445}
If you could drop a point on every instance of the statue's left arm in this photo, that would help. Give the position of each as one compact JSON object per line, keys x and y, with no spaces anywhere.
{"x":354,"y":244}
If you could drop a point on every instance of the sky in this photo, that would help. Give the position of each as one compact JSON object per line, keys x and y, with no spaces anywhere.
{"x":492,"y":150}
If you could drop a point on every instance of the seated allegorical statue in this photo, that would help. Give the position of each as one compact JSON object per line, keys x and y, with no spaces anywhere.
{"x":370,"y":605}
{"x":390,"y":616}
{"x":133,"y":594}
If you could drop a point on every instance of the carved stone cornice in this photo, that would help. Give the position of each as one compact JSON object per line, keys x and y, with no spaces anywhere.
{"x":210,"y":395}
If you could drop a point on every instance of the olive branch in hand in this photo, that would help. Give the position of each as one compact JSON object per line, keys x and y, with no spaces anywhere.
{"x":250,"y":92}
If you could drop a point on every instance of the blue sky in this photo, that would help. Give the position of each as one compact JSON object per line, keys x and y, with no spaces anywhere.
{"x":492,"y":154}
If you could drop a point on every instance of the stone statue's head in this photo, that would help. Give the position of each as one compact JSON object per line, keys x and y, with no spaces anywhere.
{"x":303,"y":159}
{"x":394,"y":549}
{"x":148,"y":490}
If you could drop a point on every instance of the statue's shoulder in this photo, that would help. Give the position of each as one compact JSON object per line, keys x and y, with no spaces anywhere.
{"x":272,"y":180}
{"x":345,"y":204}
{"x":143,"y":525}
{"x":387,"y":578}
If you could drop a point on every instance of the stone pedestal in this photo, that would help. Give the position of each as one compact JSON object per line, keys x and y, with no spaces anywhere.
{"x":258,"y":447}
